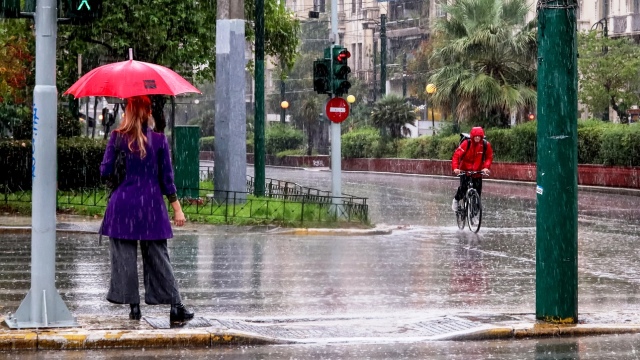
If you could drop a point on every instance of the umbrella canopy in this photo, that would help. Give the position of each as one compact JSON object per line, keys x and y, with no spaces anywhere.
{"x":130,"y":78}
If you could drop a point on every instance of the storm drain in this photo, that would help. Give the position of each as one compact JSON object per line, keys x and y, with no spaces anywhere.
{"x":281,"y":332}
{"x":78,"y":227}
{"x":164,"y":323}
{"x":441,"y":326}
{"x":348,"y":329}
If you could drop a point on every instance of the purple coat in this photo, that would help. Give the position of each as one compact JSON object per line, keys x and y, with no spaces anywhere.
{"x":136,"y":210}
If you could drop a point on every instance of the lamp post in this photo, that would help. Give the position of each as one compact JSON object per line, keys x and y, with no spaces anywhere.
{"x":351,"y":99}
{"x":431,"y":89}
{"x":602,"y":23}
{"x":283,"y":105}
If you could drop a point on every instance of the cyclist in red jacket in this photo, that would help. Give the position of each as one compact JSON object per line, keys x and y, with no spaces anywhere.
{"x":474,"y":154}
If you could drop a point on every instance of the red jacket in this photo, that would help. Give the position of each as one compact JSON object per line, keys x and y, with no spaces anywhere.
{"x":468,"y":156}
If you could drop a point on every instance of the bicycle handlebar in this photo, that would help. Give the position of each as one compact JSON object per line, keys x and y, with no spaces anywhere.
{"x":472,"y":173}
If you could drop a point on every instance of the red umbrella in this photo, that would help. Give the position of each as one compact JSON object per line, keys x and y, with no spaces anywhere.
{"x":130,"y":78}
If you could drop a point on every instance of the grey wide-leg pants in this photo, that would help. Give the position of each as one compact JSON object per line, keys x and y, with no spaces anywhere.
{"x":159,"y":283}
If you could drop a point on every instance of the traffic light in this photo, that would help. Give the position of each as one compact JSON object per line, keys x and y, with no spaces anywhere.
{"x":531,"y":117}
{"x":10,"y":9}
{"x":339,"y":84}
{"x":321,"y":76}
{"x":84,"y":11}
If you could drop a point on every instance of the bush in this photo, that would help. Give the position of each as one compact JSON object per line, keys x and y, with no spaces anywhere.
{"x":502,"y":141}
{"x":446,"y":146}
{"x":296,"y":152}
{"x":365,"y":142}
{"x":207,"y":143}
{"x":423,"y":147}
{"x":525,"y":142}
{"x":621,"y":145}
{"x":78,"y":163}
{"x":281,"y":137}
{"x":589,"y":144}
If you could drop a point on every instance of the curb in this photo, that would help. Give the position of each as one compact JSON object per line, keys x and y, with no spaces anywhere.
{"x":79,"y":339}
{"x":543,"y":331}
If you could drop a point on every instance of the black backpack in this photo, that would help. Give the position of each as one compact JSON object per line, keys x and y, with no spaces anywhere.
{"x":466,"y":137}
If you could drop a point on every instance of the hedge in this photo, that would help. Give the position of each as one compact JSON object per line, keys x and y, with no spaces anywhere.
{"x":598,"y":143}
{"x":361,"y":143}
{"x":78,"y":163}
{"x":281,"y":137}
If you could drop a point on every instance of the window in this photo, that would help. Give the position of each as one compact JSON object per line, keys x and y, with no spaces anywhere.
{"x":440,"y":11}
{"x":340,"y":5}
{"x":636,"y":6}
{"x":353,"y":6}
{"x":606,"y":4}
{"x":359,"y":57}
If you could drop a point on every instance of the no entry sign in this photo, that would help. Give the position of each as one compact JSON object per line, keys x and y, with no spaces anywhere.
{"x":337,"y":109}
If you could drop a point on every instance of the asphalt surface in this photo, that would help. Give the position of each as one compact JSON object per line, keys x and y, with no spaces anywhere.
{"x":413,"y":279}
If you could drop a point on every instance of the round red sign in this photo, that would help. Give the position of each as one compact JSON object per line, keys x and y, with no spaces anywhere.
{"x":337,"y":109}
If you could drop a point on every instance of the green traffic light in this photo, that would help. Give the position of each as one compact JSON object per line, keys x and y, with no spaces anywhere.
{"x":84,"y":2}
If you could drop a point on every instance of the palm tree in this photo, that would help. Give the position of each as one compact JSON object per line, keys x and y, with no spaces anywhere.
{"x":484,"y":60}
{"x":309,"y":115}
{"x":392,"y":112}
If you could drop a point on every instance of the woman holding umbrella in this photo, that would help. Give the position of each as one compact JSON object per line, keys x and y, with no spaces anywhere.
{"x":136,"y":213}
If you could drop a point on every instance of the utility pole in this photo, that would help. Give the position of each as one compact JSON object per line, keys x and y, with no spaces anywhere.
{"x":336,"y":146}
{"x":43,"y":307}
{"x":258,"y":131}
{"x":404,"y":75}
{"x":557,"y":167}
{"x":383,"y":55}
{"x":375,"y":72}
{"x":282,"y":92}
{"x":230,"y":169}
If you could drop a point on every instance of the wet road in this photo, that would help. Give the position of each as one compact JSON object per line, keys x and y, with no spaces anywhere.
{"x":427,"y":267}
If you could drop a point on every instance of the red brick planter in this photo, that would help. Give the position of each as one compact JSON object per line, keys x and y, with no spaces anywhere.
{"x":594,"y":175}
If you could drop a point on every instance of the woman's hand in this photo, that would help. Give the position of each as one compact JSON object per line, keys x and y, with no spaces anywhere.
{"x":178,"y":218}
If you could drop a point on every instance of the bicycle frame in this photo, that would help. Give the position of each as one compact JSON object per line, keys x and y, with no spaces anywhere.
{"x":466,"y":216}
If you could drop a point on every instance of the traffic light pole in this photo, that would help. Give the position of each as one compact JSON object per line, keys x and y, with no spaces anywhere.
{"x":336,"y":146}
{"x":43,"y":307}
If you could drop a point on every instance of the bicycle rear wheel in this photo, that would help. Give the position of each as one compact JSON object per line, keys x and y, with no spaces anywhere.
{"x":461,"y":215}
{"x":474,"y":211}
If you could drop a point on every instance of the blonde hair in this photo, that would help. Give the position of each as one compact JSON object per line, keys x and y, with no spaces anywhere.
{"x":137,"y":114}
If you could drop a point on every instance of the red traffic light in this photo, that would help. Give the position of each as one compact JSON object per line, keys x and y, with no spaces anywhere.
{"x":343,"y":55}
{"x":532,"y":117}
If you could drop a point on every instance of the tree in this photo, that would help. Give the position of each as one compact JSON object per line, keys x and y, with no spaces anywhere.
{"x":484,"y":59}
{"x":609,"y":73}
{"x":311,"y":107}
{"x":392,"y":112}
{"x":179,"y":34}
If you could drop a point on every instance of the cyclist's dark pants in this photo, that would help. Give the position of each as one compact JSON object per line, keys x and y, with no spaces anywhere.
{"x":462,"y":189}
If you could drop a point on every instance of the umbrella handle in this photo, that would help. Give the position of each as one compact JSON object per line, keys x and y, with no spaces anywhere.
{"x":130,"y":54}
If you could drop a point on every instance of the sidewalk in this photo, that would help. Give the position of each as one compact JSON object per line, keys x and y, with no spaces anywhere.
{"x":97,"y":332}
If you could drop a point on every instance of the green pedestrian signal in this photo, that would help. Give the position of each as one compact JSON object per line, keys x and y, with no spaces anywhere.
{"x":10,"y":9}
{"x":321,"y":76}
{"x":340,"y":85}
{"x":83,"y":11}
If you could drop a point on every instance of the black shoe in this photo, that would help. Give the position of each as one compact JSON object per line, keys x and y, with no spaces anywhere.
{"x":135,"y":313}
{"x":180,"y":313}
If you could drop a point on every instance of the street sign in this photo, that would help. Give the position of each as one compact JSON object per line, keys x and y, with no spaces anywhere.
{"x":337,"y":109}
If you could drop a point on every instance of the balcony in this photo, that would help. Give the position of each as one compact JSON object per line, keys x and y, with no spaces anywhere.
{"x":619,"y":24}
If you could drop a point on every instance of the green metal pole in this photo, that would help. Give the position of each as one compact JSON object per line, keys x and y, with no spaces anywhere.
{"x":258,"y":133}
{"x":557,"y":170}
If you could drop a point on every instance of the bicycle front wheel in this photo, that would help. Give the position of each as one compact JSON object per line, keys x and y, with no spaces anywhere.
{"x":474,"y":211}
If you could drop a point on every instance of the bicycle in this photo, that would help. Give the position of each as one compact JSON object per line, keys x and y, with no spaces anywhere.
{"x":470,"y":208}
